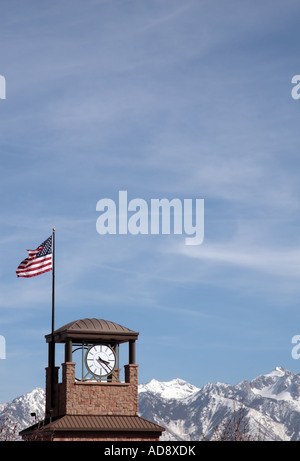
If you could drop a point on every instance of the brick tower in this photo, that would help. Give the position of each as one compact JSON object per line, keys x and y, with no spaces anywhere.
{"x":92,"y":402}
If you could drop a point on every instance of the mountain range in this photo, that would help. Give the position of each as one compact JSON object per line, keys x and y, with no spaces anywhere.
{"x":266,"y":408}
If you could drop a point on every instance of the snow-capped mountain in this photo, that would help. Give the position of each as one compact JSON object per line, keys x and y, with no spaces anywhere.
{"x":174,"y":389}
{"x":16,"y":415}
{"x":270,"y":404}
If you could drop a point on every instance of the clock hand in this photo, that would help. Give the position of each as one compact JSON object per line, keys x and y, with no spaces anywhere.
{"x":104,"y":361}
{"x":106,"y":364}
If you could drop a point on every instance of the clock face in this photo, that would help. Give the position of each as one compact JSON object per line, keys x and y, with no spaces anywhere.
{"x":100,"y":360}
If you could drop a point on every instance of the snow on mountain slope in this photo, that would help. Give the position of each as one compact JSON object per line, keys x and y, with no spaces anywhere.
{"x":280,"y":384}
{"x":270,"y":402}
{"x":174,"y":389}
{"x":18,"y":410}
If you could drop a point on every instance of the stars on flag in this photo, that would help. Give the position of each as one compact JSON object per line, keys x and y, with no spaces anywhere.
{"x":38,"y":261}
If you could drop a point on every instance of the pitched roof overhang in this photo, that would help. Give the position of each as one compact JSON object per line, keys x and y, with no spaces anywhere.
{"x":93,"y":330}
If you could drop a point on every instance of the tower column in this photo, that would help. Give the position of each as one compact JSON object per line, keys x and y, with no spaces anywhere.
{"x":68,"y":350}
{"x":51,"y":411}
{"x":132,"y":351}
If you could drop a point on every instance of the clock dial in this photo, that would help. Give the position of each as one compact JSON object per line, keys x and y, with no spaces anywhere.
{"x":100,"y":360}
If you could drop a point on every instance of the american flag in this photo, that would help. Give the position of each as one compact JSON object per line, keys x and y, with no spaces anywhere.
{"x":38,"y":261}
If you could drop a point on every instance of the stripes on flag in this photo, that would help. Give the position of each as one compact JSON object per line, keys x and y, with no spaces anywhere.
{"x":38,"y":261}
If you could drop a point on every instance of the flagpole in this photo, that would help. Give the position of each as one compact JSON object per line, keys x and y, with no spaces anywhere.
{"x":52,"y":363}
{"x":53,"y":282}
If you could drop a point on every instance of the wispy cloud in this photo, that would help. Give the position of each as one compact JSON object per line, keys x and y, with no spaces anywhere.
{"x":277,"y":261}
{"x":253,"y":246}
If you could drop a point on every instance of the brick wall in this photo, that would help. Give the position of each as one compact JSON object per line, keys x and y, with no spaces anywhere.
{"x":110,"y":398}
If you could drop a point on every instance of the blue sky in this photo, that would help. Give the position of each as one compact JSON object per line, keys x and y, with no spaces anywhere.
{"x":162,"y":99}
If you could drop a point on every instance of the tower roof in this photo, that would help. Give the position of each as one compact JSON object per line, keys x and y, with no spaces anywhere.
{"x":99,"y":424}
{"x":94,"y":330}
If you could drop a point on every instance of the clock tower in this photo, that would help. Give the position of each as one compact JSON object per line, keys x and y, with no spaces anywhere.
{"x":93,"y":400}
